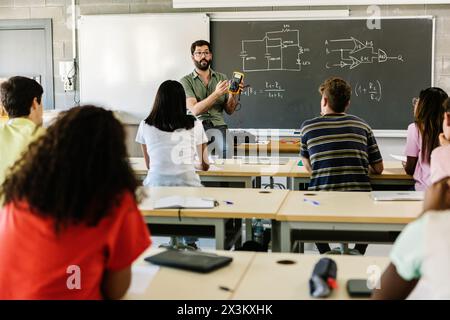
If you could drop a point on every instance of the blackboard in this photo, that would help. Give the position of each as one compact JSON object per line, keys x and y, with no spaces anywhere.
{"x":284,"y":63}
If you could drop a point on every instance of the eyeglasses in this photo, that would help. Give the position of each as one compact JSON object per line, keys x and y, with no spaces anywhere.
{"x":198,"y":54}
{"x":414,"y":101}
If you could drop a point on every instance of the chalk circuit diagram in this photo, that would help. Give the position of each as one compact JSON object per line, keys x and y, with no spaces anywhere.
{"x":277,"y":50}
{"x":352,"y":53}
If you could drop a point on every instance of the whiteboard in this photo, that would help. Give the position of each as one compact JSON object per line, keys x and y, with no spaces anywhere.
{"x":124,"y":58}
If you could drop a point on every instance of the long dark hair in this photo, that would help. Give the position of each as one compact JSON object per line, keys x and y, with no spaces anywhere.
{"x":169,"y":111}
{"x":76,"y":172}
{"x":428,"y":118}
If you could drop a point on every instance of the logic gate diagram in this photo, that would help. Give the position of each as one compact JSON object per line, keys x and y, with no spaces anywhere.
{"x":278,"y":50}
{"x":352,"y":53}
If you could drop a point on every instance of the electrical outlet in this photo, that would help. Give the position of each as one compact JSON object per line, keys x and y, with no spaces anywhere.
{"x":67,"y":74}
{"x":69,"y":85}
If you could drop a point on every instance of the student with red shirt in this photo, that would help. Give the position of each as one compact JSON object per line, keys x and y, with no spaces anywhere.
{"x":70,"y":227}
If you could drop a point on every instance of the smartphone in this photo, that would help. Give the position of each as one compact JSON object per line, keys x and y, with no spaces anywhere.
{"x":235,"y":82}
{"x":358,"y":288}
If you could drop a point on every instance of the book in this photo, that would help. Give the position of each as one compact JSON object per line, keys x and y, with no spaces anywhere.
{"x":180,"y":202}
{"x":398,"y":157}
{"x":397,"y":195}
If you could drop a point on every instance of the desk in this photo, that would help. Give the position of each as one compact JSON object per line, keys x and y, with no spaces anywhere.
{"x":231,"y":170}
{"x":285,"y":145}
{"x":268,"y":280}
{"x":339,"y":211}
{"x":252,"y":276}
{"x":247,"y":204}
{"x":175,"y":284}
{"x":393,"y":174}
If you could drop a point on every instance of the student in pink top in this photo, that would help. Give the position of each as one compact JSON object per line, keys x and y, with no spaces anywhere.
{"x":423,"y":135}
{"x":440,"y":158}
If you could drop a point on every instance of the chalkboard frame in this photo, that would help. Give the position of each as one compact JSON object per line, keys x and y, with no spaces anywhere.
{"x":282,"y":16}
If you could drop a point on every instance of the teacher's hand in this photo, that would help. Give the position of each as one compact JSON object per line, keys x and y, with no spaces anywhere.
{"x":221,"y":88}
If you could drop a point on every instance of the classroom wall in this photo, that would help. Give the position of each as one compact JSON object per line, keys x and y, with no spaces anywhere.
{"x":59,"y":11}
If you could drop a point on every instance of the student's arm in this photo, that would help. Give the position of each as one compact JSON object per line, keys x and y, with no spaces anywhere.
{"x":307,"y":164}
{"x":199,"y":107}
{"x":202,"y":152}
{"x":437,"y":196}
{"x":115,"y":283}
{"x":376,"y":168}
{"x":392,"y":286}
{"x":410,"y":165}
{"x":146,"y":157}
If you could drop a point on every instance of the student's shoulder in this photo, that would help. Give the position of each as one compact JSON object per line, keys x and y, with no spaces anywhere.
{"x":310,"y":124}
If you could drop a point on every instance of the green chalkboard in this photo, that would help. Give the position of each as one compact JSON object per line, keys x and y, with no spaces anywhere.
{"x":284,"y":63}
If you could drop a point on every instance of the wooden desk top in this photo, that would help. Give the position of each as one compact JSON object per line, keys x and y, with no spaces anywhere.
{"x":351,"y":207}
{"x":175,"y":284}
{"x":247,"y":203}
{"x":230,"y":168}
{"x":285,"y":145}
{"x":393,"y":170}
{"x":267,"y":279}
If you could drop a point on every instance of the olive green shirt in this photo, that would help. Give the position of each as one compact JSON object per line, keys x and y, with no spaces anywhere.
{"x":195,"y":88}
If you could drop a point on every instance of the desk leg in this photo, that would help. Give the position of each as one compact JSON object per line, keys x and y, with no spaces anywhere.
{"x":248,"y":229}
{"x":257,"y":182}
{"x":219,"y":230}
{"x":289,"y":183}
{"x":248,"y":182}
{"x":285,"y":237}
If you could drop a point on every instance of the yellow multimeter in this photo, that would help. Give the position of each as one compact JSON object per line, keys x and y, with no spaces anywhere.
{"x":237,"y":79}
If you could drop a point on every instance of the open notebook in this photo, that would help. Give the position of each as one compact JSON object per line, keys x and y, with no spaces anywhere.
{"x":397,"y":195}
{"x":177,"y":202}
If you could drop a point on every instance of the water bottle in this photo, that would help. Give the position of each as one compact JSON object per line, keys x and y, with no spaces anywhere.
{"x":258,"y":231}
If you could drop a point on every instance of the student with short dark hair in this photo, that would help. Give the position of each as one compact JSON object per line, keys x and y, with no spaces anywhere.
{"x":173,"y":143}
{"x":337,"y":148}
{"x":22,"y":101}
{"x":423,"y":135}
{"x":70,"y":227}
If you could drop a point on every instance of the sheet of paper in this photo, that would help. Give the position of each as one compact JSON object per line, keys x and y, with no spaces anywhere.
{"x":142,"y":276}
{"x":398,"y":157}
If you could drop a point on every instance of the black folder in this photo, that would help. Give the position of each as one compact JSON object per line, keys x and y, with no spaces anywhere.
{"x":190,"y":260}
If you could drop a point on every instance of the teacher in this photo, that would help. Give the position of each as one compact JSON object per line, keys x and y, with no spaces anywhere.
{"x":207,"y":97}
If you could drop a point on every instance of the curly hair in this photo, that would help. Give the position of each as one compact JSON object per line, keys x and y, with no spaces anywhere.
{"x":428,"y":117}
{"x":338,"y":93}
{"x":75,"y":173}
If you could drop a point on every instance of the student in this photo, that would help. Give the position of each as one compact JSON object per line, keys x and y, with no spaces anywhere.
{"x":423,"y":135}
{"x":171,"y":139}
{"x":420,"y":258}
{"x":70,"y":227}
{"x":22,"y":100}
{"x":338,"y":149}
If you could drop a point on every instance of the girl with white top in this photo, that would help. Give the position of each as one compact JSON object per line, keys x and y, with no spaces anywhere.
{"x":174,"y":143}
{"x":420,"y":258}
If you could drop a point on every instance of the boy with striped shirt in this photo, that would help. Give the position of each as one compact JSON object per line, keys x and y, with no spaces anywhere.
{"x":338,"y":149}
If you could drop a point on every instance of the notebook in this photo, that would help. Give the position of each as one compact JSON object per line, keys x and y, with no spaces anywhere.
{"x":177,"y":202}
{"x":190,"y":260}
{"x":397,"y":195}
